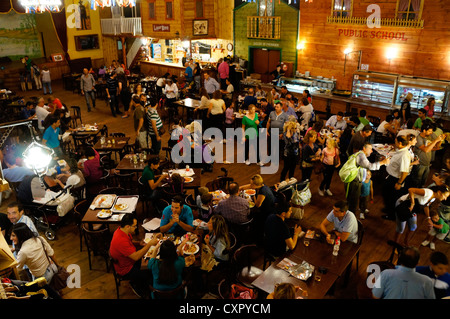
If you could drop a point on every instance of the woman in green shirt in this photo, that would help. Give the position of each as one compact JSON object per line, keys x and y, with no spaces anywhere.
{"x":250,"y":124}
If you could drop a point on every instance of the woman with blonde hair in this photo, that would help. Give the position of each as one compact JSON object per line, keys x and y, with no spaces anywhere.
{"x":283,"y":291}
{"x":331,"y":160}
{"x":218,"y":239}
{"x":405,"y":107}
{"x":291,"y":149}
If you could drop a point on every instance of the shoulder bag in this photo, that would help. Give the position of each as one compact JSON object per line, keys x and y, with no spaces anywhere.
{"x":59,"y":279}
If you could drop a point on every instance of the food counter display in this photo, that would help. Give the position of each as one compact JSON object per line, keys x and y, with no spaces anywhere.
{"x":299,"y":84}
{"x":374,"y":87}
{"x":422,"y":89}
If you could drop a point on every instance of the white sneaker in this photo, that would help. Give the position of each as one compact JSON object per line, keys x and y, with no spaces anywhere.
{"x":260,"y":163}
{"x":361,"y":216}
{"x":329,"y":193}
{"x":224,"y":141}
{"x":425,"y":243}
{"x":432,"y":246}
{"x":367,"y":211}
{"x":321,"y":192}
{"x":247,"y":162}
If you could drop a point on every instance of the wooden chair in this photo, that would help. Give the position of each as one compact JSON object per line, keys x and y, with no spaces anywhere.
{"x":159,"y":205}
{"x":117,"y":278}
{"x":80,"y":141}
{"x":180,"y":291}
{"x":79,"y":211}
{"x":117,"y":134}
{"x":76,"y":116}
{"x":114,"y":190}
{"x":222,"y":183}
{"x":190,"y":201}
{"x":360,"y":240}
{"x":97,"y":242}
{"x":126,"y":181}
{"x":224,"y":289}
{"x":143,"y":195}
{"x":242,"y":231}
{"x":244,"y":260}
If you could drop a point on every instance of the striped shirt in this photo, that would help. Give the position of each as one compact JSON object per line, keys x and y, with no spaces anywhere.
{"x":152,"y":114}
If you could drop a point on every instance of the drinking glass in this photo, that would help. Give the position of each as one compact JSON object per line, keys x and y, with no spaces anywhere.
{"x":306,"y":242}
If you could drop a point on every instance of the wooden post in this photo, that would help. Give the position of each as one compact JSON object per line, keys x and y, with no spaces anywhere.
{"x":124,"y":51}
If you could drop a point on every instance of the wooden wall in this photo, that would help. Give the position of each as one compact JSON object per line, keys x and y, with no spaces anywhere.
{"x":217,"y":12}
{"x":421,"y":52}
{"x":289,"y":26}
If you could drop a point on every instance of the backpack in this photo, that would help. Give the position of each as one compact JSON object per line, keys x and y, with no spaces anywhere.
{"x":349,"y":170}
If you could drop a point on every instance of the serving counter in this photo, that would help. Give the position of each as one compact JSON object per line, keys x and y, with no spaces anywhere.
{"x":160,"y":68}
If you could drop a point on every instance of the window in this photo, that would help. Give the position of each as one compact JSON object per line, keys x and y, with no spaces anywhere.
{"x":169,"y":9}
{"x":409,"y":9}
{"x":342,"y":8}
{"x":151,"y":10}
{"x":199,"y":9}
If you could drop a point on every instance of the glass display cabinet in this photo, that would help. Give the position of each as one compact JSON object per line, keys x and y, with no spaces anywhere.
{"x":374,"y":87}
{"x":422,"y":89}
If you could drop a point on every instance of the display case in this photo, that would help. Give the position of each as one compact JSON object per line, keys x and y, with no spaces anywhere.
{"x":295,"y":85}
{"x":374,"y":87}
{"x":422,"y":89}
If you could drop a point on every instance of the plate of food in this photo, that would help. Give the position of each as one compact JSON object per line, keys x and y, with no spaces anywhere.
{"x":189,"y":260}
{"x":190,"y":248}
{"x":104,"y":213}
{"x":120,"y":206}
{"x":250,"y":192}
{"x":191,"y":237}
{"x":188,"y":179}
{"x":104,"y":201}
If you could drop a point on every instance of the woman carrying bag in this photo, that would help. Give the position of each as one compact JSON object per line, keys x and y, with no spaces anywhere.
{"x":32,"y":251}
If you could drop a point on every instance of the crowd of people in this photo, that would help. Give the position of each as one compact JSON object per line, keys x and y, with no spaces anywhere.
{"x":342,"y":142}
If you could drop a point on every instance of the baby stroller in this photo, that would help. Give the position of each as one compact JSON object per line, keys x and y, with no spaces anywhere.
{"x":48,"y":215}
{"x":297,"y":194}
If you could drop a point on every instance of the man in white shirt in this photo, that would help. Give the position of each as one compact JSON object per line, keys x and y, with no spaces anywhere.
{"x":42,"y":111}
{"x":229,"y":91}
{"x":398,"y":170}
{"x":336,"y":122}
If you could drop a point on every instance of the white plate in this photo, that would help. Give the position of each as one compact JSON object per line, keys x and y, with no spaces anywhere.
{"x":250,"y":192}
{"x":120,"y":207}
{"x":104,"y":214}
{"x":188,"y":179}
{"x":197,"y":248}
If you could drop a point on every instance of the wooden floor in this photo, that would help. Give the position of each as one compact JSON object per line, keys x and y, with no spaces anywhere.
{"x":98,"y":284}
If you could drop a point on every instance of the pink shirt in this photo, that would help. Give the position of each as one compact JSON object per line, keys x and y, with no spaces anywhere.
{"x":224,"y":70}
{"x":328,"y":158}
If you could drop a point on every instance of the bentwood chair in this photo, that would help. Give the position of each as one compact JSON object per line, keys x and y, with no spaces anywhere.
{"x":177,"y":293}
{"x":79,"y":211}
{"x":244,"y":260}
{"x":97,"y":242}
{"x":117,"y":278}
{"x":76,"y":116}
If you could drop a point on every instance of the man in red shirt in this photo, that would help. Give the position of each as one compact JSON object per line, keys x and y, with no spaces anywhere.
{"x":128,"y":258}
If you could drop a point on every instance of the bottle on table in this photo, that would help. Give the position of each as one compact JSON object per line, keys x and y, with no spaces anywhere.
{"x":337,"y":243}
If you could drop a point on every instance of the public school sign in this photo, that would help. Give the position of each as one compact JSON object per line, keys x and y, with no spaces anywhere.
{"x":382,"y":35}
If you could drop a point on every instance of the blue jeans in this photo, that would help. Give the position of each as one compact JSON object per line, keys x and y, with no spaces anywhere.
{"x":90,"y":95}
{"x":47,"y":85}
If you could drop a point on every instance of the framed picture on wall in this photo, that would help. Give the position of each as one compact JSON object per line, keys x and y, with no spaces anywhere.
{"x":200,"y":27}
{"x":57,"y":57}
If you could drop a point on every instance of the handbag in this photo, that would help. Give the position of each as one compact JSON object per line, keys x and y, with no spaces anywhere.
{"x":241,"y":292}
{"x":59,"y":279}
